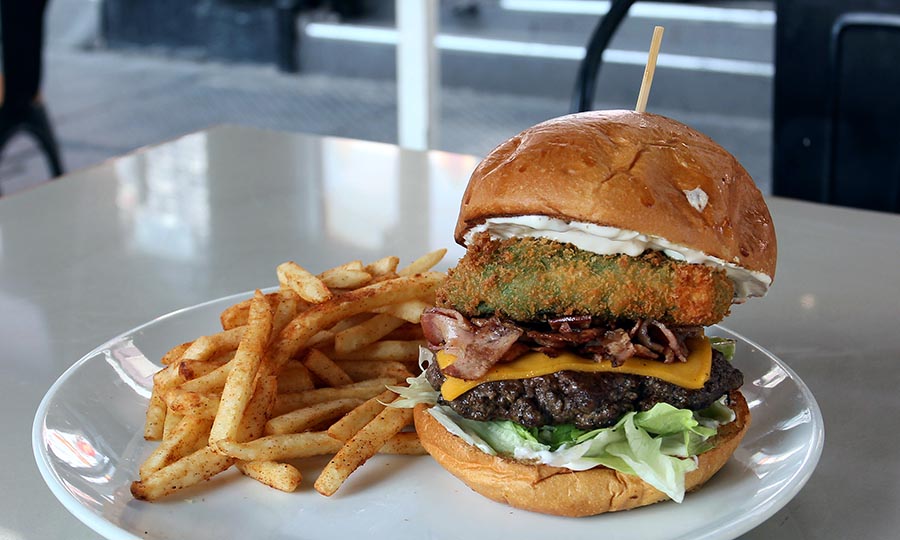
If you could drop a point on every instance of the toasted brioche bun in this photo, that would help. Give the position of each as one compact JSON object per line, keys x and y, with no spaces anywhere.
{"x":626,"y":170}
{"x":563,"y":492}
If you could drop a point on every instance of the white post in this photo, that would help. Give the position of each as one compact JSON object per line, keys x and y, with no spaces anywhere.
{"x":417,"y":74}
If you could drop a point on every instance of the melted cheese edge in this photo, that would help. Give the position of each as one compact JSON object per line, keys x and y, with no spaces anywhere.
{"x":691,"y":374}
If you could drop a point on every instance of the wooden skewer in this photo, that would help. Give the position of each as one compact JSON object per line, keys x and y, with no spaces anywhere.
{"x":649,"y":69}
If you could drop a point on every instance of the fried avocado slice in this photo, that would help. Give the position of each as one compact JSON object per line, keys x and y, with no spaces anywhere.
{"x":527,"y":279}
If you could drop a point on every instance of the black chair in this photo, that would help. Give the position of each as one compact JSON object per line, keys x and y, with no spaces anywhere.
{"x":33,"y":119}
{"x":586,"y":80}
{"x":836,"y":118}
{"x":837,"y":112}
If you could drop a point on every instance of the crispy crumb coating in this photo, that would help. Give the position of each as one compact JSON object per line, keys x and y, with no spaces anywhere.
{"x":532,"y":279}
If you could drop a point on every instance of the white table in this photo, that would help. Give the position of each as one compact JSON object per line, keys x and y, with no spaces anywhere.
{"x":102,"y":250}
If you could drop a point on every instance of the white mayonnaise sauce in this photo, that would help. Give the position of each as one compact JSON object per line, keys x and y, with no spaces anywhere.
{"x":611,"y":241}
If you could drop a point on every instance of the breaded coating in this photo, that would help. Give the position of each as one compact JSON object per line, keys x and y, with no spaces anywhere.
{"x":534,"y":279}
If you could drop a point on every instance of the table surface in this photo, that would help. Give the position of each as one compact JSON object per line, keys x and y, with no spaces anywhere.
{"x":105,"y":249}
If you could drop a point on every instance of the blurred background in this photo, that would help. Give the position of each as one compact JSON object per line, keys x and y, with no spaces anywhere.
{"x":122,"y":74}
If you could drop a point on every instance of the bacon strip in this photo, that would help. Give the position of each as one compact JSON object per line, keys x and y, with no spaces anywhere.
{"x":476,"y":349}
{"x":481,"y":343}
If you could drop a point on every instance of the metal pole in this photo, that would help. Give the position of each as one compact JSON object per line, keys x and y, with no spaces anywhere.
{"x":417,"y":74}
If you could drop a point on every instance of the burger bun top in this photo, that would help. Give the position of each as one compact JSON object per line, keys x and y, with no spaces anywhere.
{"x":632,"y":171}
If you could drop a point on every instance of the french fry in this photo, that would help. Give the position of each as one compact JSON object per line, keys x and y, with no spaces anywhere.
{"x":424,"y":263}
{"x":188,"y":471}
{"x":235,"y":315}
{"x":183,"y":402}
{"x":253,"y":422}
{"x":155,"y":419}
{"x":240,"y":382}
{"x":308,"y":286}
{"x":214,"y":381}
{"x":285,"y":310}
{"x":366,"y":332}
{"x":361,"y":447}
{"x":324,"y":338}
{"x":321,"y":339}
{"x":281,"y":447}
{"x":173,"y":379}
{"x":172,"y":420}
{"x":325,"y":369}
{"x":362,"y":300}
{"x":206,"y":347}
{"x":410,"y":311}
{"x":281,"y":476}
{"x":350,"y":322}
{"x":239,"y":314}
{"x":405,"y":443}
{"x":286,"y":403}
{"x":383,"y":266}
{"x":175,"y":353}
{"x":397,"y":351}
{"x":346,"y":276}
{"x":192,"y":369}
{"x":187,"y":437}
{"x":308,"y":417}
{"x":361,"y":370}
{"x":294,"y":377}
{"x":167,"y":378}
{"x":356,"y":419}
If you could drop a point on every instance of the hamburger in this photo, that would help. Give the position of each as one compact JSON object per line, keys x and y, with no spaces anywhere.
{"x":569,"y":371}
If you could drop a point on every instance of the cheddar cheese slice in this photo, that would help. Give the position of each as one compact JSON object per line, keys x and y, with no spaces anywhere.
{"x":691,"y":374}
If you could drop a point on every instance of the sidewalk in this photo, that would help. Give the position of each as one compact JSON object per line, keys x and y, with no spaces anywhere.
{"x":104,"y":104}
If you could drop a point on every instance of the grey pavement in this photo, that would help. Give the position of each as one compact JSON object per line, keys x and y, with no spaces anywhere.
{"x":107,"y":103}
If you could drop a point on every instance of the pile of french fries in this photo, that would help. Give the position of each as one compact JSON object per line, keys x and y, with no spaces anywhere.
{"x":295,"y":373}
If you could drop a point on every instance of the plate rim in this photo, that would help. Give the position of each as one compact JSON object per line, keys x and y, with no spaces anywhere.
{"x":83,"y":514}
{"x":798,"y":478}
{"x":735,"y":527}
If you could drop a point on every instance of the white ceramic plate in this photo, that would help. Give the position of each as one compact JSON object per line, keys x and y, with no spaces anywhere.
{"x":88,"y":445}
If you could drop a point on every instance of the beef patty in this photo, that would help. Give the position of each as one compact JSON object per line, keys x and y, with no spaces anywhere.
{"x":587,"y":400}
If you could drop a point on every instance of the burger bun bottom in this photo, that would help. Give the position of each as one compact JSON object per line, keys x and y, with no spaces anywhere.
{"x":560,"y":491}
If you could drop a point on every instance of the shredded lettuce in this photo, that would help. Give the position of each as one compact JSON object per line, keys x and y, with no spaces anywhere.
{"x":417,"y":389}
{"x":658,"y":445}
{"x":724,"y":346}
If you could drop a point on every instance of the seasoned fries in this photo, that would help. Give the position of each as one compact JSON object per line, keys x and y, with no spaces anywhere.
{"x":238,"y":314}
{"x":186,"y":438}
{"x":239,"y":385}
{"x":385,"y":266}
{"x":360,"y":370}
{"x":386,"y":351}
{"x":325,"y":369}
{"x":362,"y":390}
{"x":310,"y":288}
{"x":346,"y":276}
{"x":294,"y":373}
{"x":410,"y":311}
{"x":156,"y":417}
{"x":306,"y":418}
{"x":424,"y":263}
{"x":361,"y":447}
{"x":271,"y":473}
{"x":205,"y":347}
{"x":356,"y":419}
{"x":366,"y":332}
{"x":193,"y":469}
